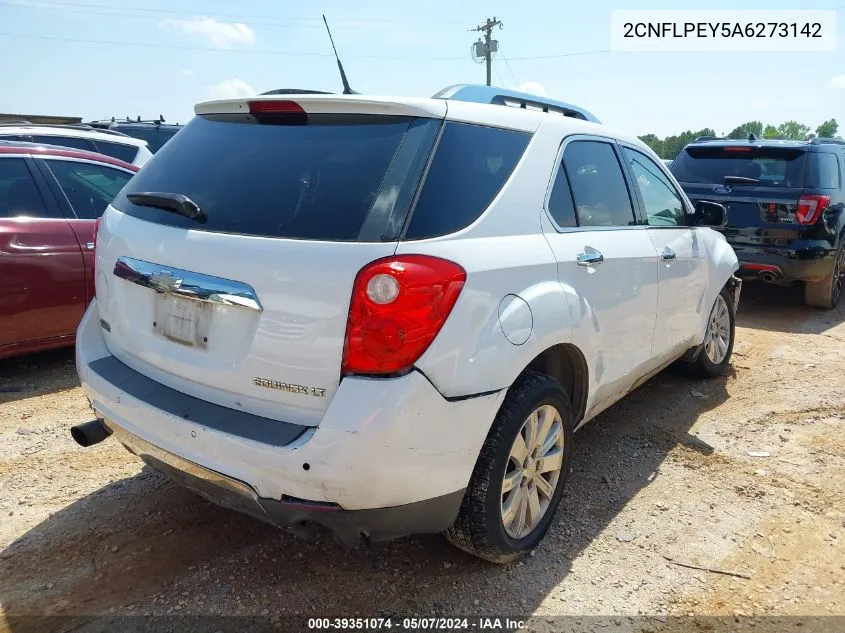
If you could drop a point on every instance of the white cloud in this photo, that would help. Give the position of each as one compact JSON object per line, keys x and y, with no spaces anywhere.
{"x":837,"y":82}
{"x":187,"y":72}
{"x":229,"y":89}
{"x":218,"y":34}
{"x":533,"y":87}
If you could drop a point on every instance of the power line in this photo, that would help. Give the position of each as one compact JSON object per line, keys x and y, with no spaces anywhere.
{"x":222,"y":50}
{"x":120,"y":10}
{"x":510,"y":70}
{"x":502,"y":81}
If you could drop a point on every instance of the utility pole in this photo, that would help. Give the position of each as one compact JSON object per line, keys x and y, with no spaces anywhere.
{"x":489,"y":46}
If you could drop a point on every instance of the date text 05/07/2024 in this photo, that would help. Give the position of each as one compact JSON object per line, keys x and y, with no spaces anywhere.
{"x":416,"y":624}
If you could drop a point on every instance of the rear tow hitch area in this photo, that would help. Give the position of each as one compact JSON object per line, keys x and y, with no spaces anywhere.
{"x":90,"y":433}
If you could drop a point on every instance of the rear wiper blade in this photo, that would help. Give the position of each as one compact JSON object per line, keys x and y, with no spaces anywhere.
{"x":174,"y":202}
{"x":741,"y":180}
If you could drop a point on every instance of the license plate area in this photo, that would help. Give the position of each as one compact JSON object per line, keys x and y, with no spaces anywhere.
{"x":183,"y":321}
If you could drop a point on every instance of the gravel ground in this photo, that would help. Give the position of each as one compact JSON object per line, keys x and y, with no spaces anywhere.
{"x":741,"y":474}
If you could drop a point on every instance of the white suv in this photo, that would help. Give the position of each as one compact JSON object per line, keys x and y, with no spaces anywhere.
{"x":130,"y":150}
{"x":389,"y":315}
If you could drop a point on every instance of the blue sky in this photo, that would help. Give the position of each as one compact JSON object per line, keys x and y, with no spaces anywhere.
{"x":164,"y":56}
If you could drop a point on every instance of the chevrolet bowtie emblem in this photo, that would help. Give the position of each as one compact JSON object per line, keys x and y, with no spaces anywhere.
{"x":164,"y":281}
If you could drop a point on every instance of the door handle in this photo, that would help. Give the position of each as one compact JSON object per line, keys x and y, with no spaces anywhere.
{"x":89,"y":246}
{"x":589,"y":258}
{"x":667,"y":254}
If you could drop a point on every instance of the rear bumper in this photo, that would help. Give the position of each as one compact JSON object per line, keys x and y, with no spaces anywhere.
{"x":382,"y":443}
{"x":810,"y":263}
{"x":431,"y":515}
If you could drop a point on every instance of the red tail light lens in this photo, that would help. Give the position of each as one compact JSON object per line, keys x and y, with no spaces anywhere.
{"x":275,"y":111}
{"x":398,"y":306}
{"x":810,"y":208}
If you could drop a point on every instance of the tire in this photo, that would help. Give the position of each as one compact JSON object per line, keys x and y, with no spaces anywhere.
{"x":827,"y":293}
{"x":705,"y":366}
{"x":480,"y":528}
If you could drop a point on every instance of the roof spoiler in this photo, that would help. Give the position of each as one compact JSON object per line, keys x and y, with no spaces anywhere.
{"x":514,"y":98}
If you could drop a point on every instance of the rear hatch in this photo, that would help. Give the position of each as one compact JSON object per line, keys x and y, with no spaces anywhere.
{"x":246,"y":305}
{"x":759,"y":185}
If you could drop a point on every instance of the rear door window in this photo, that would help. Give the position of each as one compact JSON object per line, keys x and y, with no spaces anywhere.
{"x":88,"y":187}
{"x":823,"y":172}
{"x":339,"y":178}
{"x":19,"y":195}
{"x":746,"y":164}
{"x":598,"y":185}
{"x":469,"y":168}
{"x":120,"y":151}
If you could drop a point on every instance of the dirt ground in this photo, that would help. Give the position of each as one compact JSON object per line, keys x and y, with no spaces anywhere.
{"x":743,"y":474}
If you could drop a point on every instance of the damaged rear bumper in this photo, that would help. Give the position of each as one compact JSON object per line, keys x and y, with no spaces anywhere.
{"x":349,"y":526}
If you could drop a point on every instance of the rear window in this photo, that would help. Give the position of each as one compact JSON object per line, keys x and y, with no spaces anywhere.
{"x":768,"y":166}
{"x":120,"y":151}
{"x":823,"y":172}
{"x":338,"y":178}
{"x":65,"y":141}
{"x":155,"y":136}
{"x":471,"y":165}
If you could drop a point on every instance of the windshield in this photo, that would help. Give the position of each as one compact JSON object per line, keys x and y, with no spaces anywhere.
{"x":754,"y":166}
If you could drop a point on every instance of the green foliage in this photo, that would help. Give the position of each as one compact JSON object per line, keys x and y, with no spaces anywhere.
{"x":771,"y":132}
{"x":742,"y":131}
{"x":828,"y":129}
{"x":794,"y":131}
{"x":671,"y":146}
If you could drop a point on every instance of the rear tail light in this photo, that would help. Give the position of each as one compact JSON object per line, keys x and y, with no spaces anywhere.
{"x":279,"y":112}
{"x":810,"y":208}
{"x":398,"y":306}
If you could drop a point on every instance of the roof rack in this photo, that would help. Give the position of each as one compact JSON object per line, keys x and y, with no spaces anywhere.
{"x":705,"y":139}
{"x":513,"y":98}
{"x":64,"y":126}
{"x":819,"y":140}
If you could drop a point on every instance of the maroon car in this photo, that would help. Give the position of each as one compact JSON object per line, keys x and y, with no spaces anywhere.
{"x":50,"y":200}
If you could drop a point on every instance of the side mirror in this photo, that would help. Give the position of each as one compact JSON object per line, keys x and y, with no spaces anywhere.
{"x":709,"y":213}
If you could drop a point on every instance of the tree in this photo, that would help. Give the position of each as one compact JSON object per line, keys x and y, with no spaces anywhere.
{"x":828,"y":129}
{"x":793,"y":130}
{"x":654,"y":143}
{"x":751,"y":127}
{"x":771,"y":132}
{"x":672,"y":145}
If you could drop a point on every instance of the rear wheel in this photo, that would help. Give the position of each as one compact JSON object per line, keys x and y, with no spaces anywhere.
{"x":520,"y":473}
{"x":827,"y":293}
{"x":714,"y":353}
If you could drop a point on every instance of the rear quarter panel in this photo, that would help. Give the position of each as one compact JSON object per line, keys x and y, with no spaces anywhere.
{"x":504,"y":253}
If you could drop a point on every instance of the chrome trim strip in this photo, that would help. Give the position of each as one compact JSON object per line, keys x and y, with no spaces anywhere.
{"x":187,"y":284}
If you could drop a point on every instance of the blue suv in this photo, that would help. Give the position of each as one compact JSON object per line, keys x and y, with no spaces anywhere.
{"x":785,"y":203}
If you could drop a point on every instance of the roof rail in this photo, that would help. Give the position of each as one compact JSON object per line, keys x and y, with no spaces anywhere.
{"x":502,"y":96}
{"x":822,"y":140}
{"x":67,"y":126}
{"x":704,"y":139}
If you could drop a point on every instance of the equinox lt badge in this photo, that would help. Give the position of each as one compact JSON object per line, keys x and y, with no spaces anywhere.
{"x":284,"y":386}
